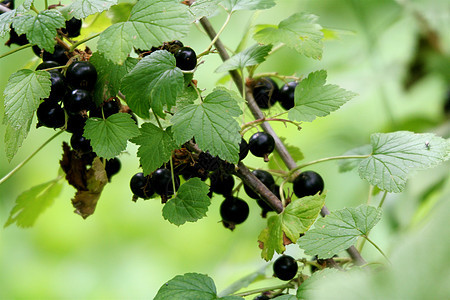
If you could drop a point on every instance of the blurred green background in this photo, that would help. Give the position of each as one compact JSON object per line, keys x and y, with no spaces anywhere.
{"x":127,"y":250}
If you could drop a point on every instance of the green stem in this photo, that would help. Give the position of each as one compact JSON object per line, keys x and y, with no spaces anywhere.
{"x":276,"y":75}
{"x":15,"y":50}
{"x":159,"y":123}
{"x":382,"y":199}
{"x":266,"y":289}
{"x":74,"y":46}
{"x":217,"y":35}
{"x":54,"y":68}
{"x":46,"y":4}
{"x":276,"y":48}
{"x":255,"y":123}
{"x":17,"y":168}
{"x":376,"y":246}
{"x":34,"y":9}
{"x":369,"y":197}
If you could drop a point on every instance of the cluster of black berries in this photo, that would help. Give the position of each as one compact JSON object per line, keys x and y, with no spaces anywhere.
{"x":267,"y":93}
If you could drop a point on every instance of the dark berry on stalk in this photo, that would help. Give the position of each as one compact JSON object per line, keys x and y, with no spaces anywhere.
{"x":140,"y":186}
{"x":261,"y":297}
{"x":73,"y":27}
{"x":14,"y":38}
{"x":76,"y":101}
{"x":47,"y":65}
{"x":80,"y":143}
{"x":50,"y":114}
{"x":233,"y":211}
{"x":189,"y":171}
{"x":207,"y":162}
{"x":81,"y":75}
{"x":112,"y":167}
{"x":75,"y":123}
{"x":109,"y":108}
{"x":221,"y":183}
{"x":308,"y":183}
{"x":8,"y":3}
{"x":265,"y":177}
{"x":261,"y":144}
{"x":265,"y":92}
{"x":186,"y":59}
{"x":243,"y":149}
{"x":285,"y":267}
{"x":447,"y":103}
{"x":286,"y":95}
{"x":58,"y":55}
{"x":37,"y":50}
{"x":58,"y":89}
{"x":162,"y":182}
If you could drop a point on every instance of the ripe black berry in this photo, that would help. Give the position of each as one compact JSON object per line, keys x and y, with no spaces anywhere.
{"x":59,"y":87}
{"x":112,"y":167}
{"x":221,"y":183}
{"x":80,"y":143}
{"x":81,"y":75}
{"x":265,"y":177}
{"x":265,"y":92}
{"x":50,"y":114}
{"x":285,"y":267}
{"x":58,"y":55}
{"x":186,"y":58}
{"x":308,"y":183}
{"x":261,"y":144}
{"x":73,"y":27}
{"x":109,"y":108}
{"x":243,"y":149}
{"x":47,"y":65}
{"x":76,"y":101}
{"x":162,"y":182}
{"x":140,"y":186}
{"x":447,"y":103}
{"x":14,"y":38}
{"x":37,"y":50}
{"x":286,"y":95}
{"x":75,"y":124}
{"x":233,"y":211}
{"x":261,"y":297}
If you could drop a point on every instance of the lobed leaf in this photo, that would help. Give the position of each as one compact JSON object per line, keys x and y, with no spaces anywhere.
{"x":212,"y":125}
{"x":249,"y":57}
{"x":109,"y":137}
{"x":14,"y":137}
{"x":155,"y":147}
{"x":204,"y":8}
{"x":300,"y":32}
{"x":339,"y":230}
{"x":153,"y":83}
{"x":190,"y":286}
{"x":297,"y":218}
{"x":314,"y":98}
{"x":7,"y":18}
{"x":234,"y":5}
{"x":81,"y":9}
{"x":190,"y":203}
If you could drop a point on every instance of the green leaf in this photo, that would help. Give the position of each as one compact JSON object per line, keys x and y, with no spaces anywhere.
{"x":314,"y":98}
{"x":313,"y":282}
{"x":120,"y":12}
{"x":339,"y":230}
{"x":395,"y":155}
{"x":297,"y":218}
{"x":109,"y":137}
{"x":33,"y":202}
{"x":189,"y":204}
{"x":204,"y":8}
{"x":300,"y":32}
{"x":109,"y":76}
{"x":80,"y":9}
{"x":40,"y":29}
{"x":275,"y":161}
{"x":14,"y":138}
{"x":151,"y":23}
{"x":153,"y":83}
{"x":346,"y":165}
{"x":156,"y":146}
{"x":212,"y":124}
{"x":22,"y":94}
{"x":7,"y":18}
{"x":190,"y":286}
{"x":234,"y":5}
{"x":249,"y":57}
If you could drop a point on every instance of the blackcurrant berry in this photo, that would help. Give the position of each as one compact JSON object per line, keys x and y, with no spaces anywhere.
{"x":80,"y":143}
{"x":75,"y":124}
{"x":261,"y":297}
{"x":47,"y":65}
{"x":207,"y":162}
{"x":8,"y":3}
{"x":162,"y":182}
{"x":109,"y":108}
{"x":58,"y":55}
{"x":261,"y":144}
{"x":285,"y":267}
{"x":73,"y":27}
{"x":233,"y":211}
{"x":286,"y":95}
{"x":308,"y":183}
{"x":265,"y":177}
{"x":59,"y":87}
{"x":112,"y":167}
{"x":140,"y":186}
{"x":50,"y":114}
{"x":76,"y":101}
{"x":243,"y":149}
{"x":221,"y":183}
{"x":37,"y":50}
{"x":186,"y":59}
{"x":265,"y":92}
{"x":81,"y":75}
{"x":14,"y":38}
{"x":447,"y":103}
{"x":189,"y":171}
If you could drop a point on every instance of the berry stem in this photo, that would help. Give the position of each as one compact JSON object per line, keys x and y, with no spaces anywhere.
{"x":17,"y":168}
{"x":33,"y":8}
{"x":46,"y":4}
{"x":159,"y":123}
{"x":275,"y":74}
{"x":74,"y":46}
{"x":173,"y":174}
{"x":246,"y":127}
{"x":213,"y":41}
{"x":266,"y":289}
{"x":378,"y":248}
{"x":15,"y":50}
